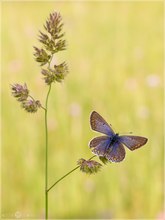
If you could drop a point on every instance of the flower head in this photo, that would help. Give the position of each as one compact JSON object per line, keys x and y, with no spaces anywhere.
{"x":89,"y":166}
{"x":57,"y":73}
{"x":104,"y":160}
{"x":49,"y":77}
{"x":60,"y":45}
{"x":31,"y":105}
{"x":20,"y":92}
{"x":52,"y":41}
{"x":41,"y":56}
{"x":54,"y":25}
{"x":60,"y":71}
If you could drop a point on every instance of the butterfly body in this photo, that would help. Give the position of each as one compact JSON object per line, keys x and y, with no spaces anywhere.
{"x":113,"y":139}
{"x":111,"y":144}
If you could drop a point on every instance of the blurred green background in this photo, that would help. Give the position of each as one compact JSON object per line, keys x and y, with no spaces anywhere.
{"x":115,"y":57}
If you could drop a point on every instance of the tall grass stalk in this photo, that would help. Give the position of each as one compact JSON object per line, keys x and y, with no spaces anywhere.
{"x":46,"y":154}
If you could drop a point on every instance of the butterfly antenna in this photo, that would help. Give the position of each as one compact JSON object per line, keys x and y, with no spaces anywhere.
{"x":130,"y":132}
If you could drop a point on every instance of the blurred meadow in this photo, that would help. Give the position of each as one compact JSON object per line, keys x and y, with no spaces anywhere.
{"x":115,"y":58}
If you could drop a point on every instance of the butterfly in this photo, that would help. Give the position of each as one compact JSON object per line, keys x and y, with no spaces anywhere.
{"x":110,"y":146}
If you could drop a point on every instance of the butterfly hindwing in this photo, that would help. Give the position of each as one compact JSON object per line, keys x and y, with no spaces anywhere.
{"x":132,"y":142}
{"x":99,"y":145}
{"x":116,"y":153}
{"x":99,"y":124}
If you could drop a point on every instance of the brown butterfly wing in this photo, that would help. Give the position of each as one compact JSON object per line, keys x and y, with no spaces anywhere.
{"x":99,"y":145}
{"x":133,"y":142}
{"x":116,"y":153}
{"x":99,"y":124}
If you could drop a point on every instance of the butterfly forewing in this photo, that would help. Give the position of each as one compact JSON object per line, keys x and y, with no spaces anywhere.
{"x":99,"y":124}
{"x":116,"y":153}
{"x":99,"y":145}
{"x":132,"y":142}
